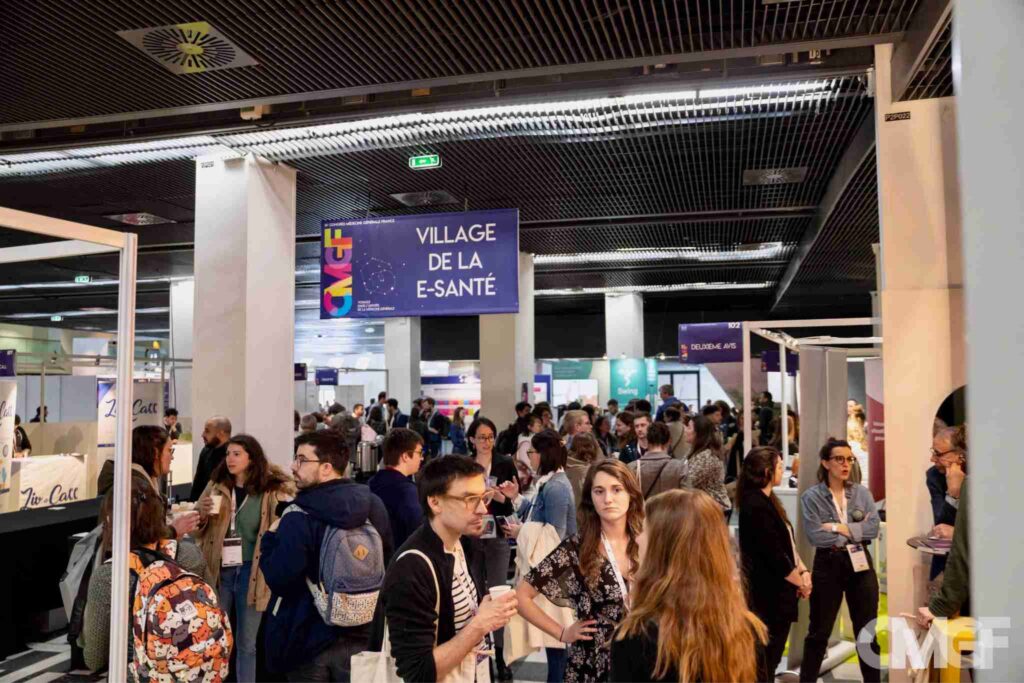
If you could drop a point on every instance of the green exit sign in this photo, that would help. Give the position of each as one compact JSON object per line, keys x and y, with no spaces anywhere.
{"x":83,"y":279}
{"x":425,"y":161}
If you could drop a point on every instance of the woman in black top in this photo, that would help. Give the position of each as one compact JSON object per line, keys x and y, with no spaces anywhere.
{"x":775,"y":575}
{"x":688,"y":621}
{"x":494,"y":547}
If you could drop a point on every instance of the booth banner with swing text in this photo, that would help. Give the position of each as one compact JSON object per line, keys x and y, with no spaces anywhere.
{"x":633,"y":378}
{"x":145,"y":411}
{"x":8,"y":401}
{"x":710,"y":343}
{"x":423,"y":265}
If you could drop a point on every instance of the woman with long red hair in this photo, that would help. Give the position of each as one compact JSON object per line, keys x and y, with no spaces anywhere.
{"x":591,"y":572}
{"x":689,"y":619}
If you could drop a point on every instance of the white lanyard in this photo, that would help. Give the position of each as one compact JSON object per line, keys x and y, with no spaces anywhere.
{"x":233,"y":530}
{"x":840,"y":504}
{"x":615,"y":570}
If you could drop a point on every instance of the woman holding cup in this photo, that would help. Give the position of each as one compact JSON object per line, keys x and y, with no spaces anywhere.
{"x":237,"y":507}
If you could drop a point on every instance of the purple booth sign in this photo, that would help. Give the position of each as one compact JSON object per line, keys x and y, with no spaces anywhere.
{"x":710,"y":342}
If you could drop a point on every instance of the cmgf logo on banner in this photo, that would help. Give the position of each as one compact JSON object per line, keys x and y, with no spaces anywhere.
{"x":423,"y":265}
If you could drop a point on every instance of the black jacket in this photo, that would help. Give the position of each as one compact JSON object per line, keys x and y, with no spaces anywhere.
{"x":209,"y":458}
{"x":408,"y":598}
{"x":294,"y":631}
{"x":503,"y":468}
{"x":767,"y":554}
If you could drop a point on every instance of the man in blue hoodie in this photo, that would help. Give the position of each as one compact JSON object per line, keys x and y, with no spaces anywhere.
{"x":297,"y":641}
{"x":403,"y":455}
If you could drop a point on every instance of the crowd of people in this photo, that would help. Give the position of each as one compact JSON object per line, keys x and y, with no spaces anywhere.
{"x":602,"y":541}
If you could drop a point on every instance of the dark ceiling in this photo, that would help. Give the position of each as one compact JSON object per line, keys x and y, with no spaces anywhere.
{"x":624,"y":176}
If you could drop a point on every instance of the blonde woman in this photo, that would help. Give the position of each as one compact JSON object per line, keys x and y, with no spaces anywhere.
{"x":689,"y":619}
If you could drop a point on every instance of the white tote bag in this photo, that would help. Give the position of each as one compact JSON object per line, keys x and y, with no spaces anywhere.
{"x":380,"y":667}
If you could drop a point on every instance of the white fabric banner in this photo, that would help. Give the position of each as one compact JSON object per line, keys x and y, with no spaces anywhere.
{"x":8,"y":402}
{"x":47,"y":480}
{"x":145,"y":411}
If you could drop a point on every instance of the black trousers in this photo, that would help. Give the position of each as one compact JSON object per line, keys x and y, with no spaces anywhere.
{"x":778,"y":633}
{"x":833,"y":577}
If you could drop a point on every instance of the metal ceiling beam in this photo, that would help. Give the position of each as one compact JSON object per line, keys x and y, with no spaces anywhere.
{"x":862,"y":144}
{"x":53,"y":250}
{"x":463,"y":79}
{"x":650,"y":268}
{"x":909,"y":54}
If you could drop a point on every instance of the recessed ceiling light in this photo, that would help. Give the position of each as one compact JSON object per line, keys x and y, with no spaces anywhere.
{"x":138,"y":218}
{"x":95,"y":309}
{"x":371,"y":330}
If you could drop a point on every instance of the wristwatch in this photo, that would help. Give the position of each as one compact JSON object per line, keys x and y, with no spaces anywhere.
{"x":835,"y":529}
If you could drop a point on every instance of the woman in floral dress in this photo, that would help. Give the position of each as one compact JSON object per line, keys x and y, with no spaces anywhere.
{"x":591,"y":571}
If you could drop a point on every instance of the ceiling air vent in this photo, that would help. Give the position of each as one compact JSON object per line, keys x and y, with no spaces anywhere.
{"x":429,"y":198}
{"x":774,"y":176}
{"x":138,"y":218}
{"x":188,"y":48}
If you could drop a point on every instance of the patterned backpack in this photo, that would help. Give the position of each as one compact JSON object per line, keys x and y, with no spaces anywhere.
{"x":180,"y":633}
{"x":351,"y":574}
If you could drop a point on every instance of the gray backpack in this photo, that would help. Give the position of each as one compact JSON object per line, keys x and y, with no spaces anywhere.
{"x":351,"y":574}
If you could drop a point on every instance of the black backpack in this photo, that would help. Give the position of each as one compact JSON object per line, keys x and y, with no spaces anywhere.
{"x":508,"y":440}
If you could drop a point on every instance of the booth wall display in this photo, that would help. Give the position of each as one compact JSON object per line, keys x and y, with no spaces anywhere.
{"x":875,"y":427}
{"x":145,"y":410}
{"x":327,"y":377}
{"x":8,"y":400}
{"x":541,"y":388}
{"x":7,"y":357}
{"x":424,"y":265}
{"x":301,"y":372}
{"x":453,"y":391}
{"x":710,"y":342}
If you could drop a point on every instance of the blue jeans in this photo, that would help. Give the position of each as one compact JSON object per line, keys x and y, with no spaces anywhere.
{"x":245,"y":620}
{"x":556,"y":664}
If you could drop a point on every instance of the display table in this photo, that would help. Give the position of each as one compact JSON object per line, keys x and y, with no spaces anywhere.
{"x":35,"y":555}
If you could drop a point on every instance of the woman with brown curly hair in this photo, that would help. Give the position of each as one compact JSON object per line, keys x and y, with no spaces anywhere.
{"x":689,"y":620}
{"x":237,"y":507}
{"x":591,"y":571}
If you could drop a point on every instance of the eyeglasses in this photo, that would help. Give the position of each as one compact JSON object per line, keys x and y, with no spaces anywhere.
{"x":302,"y":461}
{"x":937,"y":454}
{"x":839,"y":459}
{"x":483,"y":438}
{"x":416,"y":452}
{"x":532,"y":451}
{"x":472,"y":501}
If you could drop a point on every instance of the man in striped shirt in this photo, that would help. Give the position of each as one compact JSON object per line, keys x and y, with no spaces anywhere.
{"x":431,"y":600}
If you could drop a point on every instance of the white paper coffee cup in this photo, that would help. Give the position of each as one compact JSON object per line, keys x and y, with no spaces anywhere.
{"x":497,"y":591}
{"x":217,"y":501}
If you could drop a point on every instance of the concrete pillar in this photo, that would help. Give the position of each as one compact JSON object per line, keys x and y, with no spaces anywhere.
{"x":624,"y":325}
{"x":987,"y":51}
{"x":922,"y":313}
{"x":244,"y":311}
{"x":507,"y":359}
{"x":402,"y":360}
{"x":181,"y":315}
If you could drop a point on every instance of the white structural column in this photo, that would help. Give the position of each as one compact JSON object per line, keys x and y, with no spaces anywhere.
{"x":988,"y":50}
{"x":507,"y":359}
{"x":244,"y":317}
{"x":624,"y":325}
{"x":922,"y":313}
{"x":183,"y":294}
{"x":402,"y":360}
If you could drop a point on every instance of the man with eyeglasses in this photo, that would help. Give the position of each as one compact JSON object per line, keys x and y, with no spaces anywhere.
{"x":299,"y":643}
{"x":403,"y":456}
{"x":437,"y":612}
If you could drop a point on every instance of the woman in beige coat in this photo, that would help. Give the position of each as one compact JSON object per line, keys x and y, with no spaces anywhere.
{"x":237,"y":507}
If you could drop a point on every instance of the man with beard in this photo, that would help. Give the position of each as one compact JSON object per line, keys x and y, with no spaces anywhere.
{"x":216,"y":433}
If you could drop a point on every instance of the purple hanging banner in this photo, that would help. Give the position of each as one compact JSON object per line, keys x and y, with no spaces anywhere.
{"x":770,"y":362}
{"x":7,"y":362}
{"x":711,"y":342}
{"x":326,"y":377}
